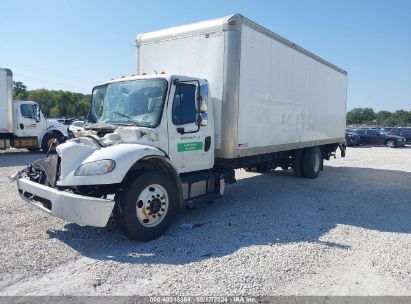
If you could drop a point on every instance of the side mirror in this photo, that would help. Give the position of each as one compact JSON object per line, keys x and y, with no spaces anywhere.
{"x":91,"y":117}
{"x":37,"y":114}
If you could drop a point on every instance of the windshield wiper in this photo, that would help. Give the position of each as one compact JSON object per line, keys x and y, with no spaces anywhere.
{"x":126,"y":116}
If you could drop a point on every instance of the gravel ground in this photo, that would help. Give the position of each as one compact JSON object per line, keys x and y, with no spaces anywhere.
{"x":348,"y":232}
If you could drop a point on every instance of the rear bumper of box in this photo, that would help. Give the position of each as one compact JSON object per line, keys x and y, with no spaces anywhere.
{"x":83,"y":210}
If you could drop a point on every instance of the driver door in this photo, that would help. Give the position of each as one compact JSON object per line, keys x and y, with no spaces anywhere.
{"x":193,"y":149}
{"x":27,"y":125}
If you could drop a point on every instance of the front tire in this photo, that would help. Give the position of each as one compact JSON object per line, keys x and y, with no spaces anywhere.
{"x":390,"y":143}
{"x":147,"y":205}
{"x":49,"y":140}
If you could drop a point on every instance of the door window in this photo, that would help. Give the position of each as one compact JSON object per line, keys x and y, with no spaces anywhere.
{"x":184,"y":104}
{"x":28,"y":111}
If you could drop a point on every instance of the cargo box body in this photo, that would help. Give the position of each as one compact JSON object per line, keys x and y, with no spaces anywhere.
{"x":6,"y":101}
{"x":268,"y":94}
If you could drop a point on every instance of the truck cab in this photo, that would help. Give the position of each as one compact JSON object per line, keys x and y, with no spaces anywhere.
{"x":22,"y":123}
{"x":172,"y":110}
{"x":157,"y":148}
{"x":32,"y":130}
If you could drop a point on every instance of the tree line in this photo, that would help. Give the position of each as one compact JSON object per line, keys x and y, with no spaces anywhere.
{"x":367,"y":116}
{"x":54,"y":103}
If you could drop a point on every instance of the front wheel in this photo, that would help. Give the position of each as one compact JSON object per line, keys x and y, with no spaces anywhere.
{"x":49,"y":140}
{"x":390,"y":143}
{"x":147,"y":205}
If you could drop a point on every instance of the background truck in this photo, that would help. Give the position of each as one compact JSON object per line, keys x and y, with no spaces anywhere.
{"x":22,"y":124}
{"x":209,"y":98}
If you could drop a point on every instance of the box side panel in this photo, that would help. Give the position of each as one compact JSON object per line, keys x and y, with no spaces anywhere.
{"x":200,"y":55}
{"x":286,"y":98}
{"x":229,"y":116}
{"x":6,"y":99}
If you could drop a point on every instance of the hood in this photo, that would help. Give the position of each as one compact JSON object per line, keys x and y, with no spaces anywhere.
{"x":54,"y":125}
{"x":129,"y":134}
{"x":90,"y":149}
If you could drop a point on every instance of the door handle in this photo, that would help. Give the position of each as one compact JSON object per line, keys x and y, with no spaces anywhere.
{"x":207,"y":143}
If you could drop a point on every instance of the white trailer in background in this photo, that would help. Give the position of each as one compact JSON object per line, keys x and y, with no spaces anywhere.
{"x":22,"y":123}
{"x":209,"y":98}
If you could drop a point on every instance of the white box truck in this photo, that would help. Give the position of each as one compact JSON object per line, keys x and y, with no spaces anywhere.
{"x":22,"y":123}
{"x":209,"y":98}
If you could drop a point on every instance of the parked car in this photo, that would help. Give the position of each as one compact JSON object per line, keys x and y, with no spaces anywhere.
{"x":377,"y":137}
{"x":404,"y":132}
{"x":352,"y":138}
{"x":66,"y":121}
{"x":76,"y":126}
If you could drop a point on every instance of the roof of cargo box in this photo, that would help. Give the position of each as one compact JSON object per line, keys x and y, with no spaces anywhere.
{"x":223,"y":24}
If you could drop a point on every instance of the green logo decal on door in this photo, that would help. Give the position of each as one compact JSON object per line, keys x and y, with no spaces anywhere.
{"x":191,"y":146}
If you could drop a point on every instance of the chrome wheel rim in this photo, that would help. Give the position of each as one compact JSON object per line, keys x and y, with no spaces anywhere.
{"x":152,"y":205}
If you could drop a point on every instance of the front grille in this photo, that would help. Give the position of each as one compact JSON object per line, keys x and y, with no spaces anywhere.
{"x":50,"y":168}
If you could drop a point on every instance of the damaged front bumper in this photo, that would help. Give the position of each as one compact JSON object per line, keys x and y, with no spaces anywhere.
{"x":83,"y":210}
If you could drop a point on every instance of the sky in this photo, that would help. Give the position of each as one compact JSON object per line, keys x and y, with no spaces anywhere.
{"x":74,"y":45}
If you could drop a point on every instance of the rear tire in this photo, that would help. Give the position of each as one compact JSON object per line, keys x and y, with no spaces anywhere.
{"x":147,"y":206}
{"x":312,"y":162}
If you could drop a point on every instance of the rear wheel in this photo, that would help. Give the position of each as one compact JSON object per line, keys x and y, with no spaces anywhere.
{"x":147,"y":206}
{"x":312,"y":162}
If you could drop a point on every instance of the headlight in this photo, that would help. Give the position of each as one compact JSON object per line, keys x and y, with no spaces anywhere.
{"x":96,"y":168}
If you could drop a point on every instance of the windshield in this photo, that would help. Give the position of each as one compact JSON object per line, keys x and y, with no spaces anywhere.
{"x":137,"y":102}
